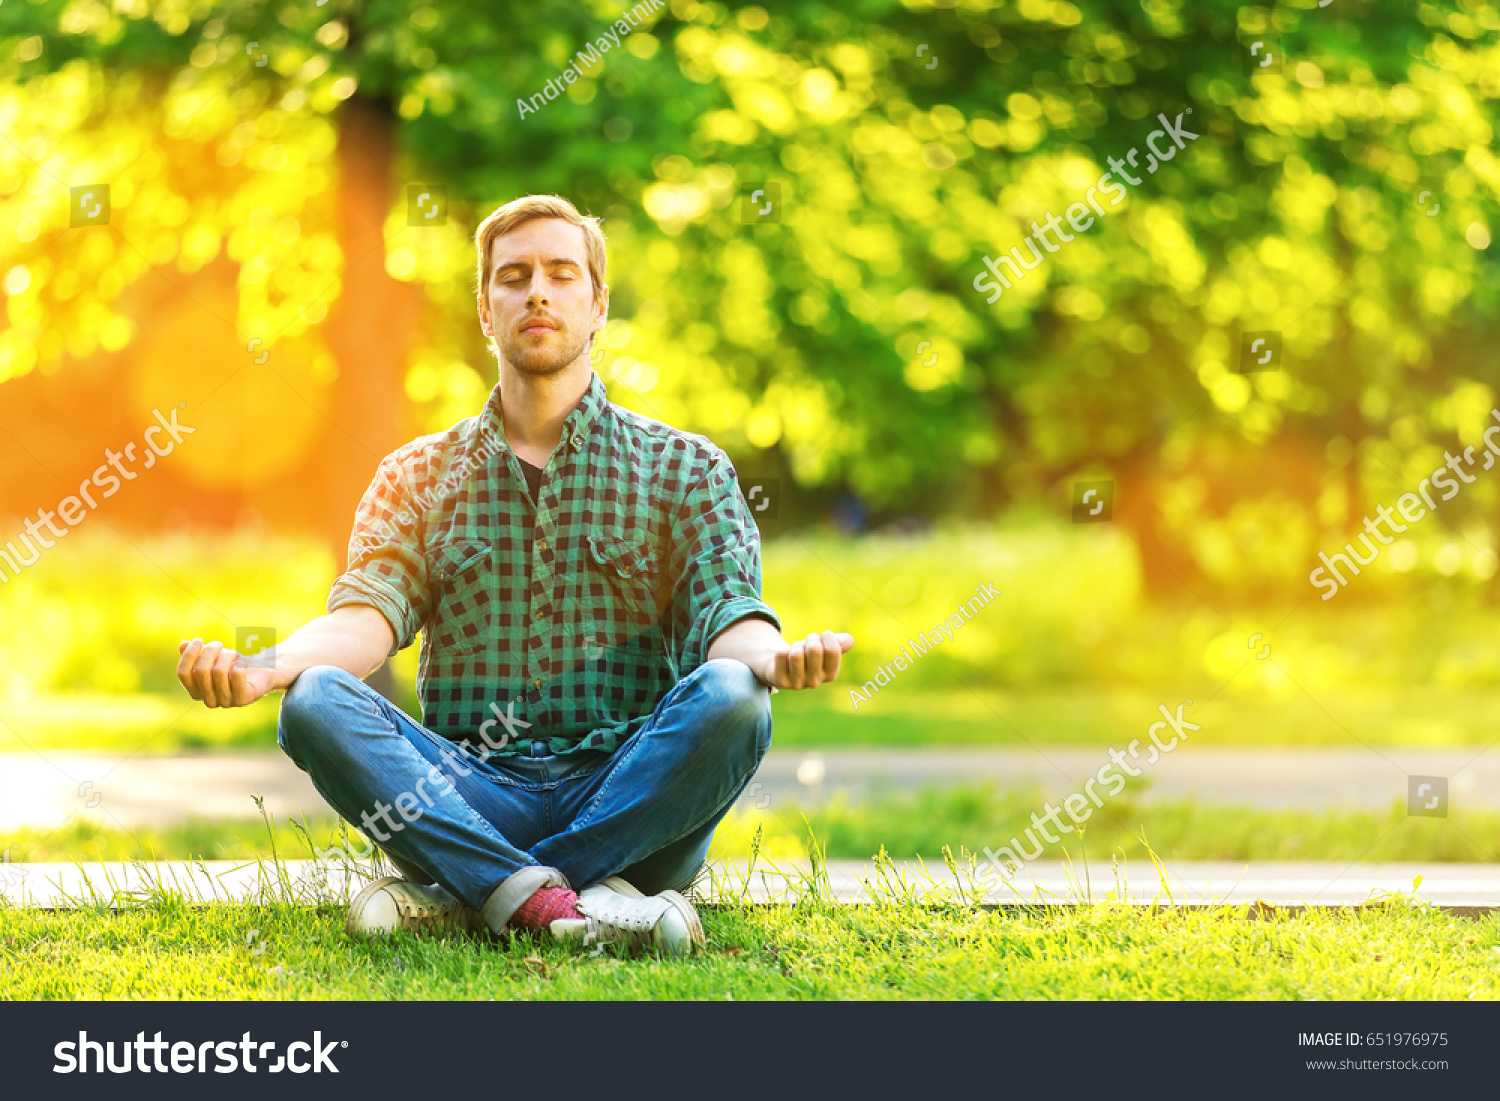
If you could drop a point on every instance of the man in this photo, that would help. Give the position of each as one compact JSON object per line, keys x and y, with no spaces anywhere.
{"x":596,"y":660}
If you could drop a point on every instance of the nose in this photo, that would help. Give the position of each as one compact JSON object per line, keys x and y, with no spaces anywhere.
{"x":537,"y":294}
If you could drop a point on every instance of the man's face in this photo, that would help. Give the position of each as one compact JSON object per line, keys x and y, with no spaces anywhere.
{"x":540,"y":311}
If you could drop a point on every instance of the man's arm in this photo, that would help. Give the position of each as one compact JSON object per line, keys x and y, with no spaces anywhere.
{"x":718,"y":609}
{"x":804,"y":664}
{"x":355,"y":638}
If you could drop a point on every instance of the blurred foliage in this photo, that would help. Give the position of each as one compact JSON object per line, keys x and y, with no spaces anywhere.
{"x":799,"y":345}
{"x":1069,"y":653}
{"x":1071,"y":611}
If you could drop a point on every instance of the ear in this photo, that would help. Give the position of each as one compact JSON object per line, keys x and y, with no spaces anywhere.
{"x":601,"y":308}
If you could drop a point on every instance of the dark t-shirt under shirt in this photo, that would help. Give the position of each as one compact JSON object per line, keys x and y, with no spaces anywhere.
{"x":533,"y":477}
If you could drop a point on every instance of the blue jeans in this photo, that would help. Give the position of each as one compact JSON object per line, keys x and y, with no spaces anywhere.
{"x":492,"y":832}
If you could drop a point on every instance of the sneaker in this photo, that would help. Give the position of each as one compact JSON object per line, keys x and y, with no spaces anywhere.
{"x":392,"y":903}
{"x":616,"y":913}
{"x":621,"y":886}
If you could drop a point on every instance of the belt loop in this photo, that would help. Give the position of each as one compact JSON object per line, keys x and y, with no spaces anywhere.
{"x":538,"y":748}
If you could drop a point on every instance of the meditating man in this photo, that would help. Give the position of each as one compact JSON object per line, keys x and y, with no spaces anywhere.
{"x":596,"y":660}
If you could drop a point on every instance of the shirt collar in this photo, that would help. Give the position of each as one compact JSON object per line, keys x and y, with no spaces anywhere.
{"x":580,"y":422}
{"x":576,"y":426}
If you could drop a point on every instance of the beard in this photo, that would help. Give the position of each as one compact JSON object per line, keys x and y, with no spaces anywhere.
{"x":540,"y":362}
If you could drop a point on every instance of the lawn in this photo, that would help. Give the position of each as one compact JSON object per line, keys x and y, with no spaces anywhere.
{"x":1071,"y":653}
{"x":168,"y":949}
{"x":920,"y":824}
{"x":167,"y":946}
{"x":962,"y":716}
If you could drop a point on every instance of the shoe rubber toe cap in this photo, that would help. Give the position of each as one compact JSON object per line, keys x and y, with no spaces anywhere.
{"x":672,"y":933}
{"x":377,"y":915}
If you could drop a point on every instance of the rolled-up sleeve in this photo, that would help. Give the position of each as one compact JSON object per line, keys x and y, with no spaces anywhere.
{"x":387,"y":569}
{"x":716,"y":558}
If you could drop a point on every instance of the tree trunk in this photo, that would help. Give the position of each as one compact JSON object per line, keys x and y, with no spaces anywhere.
{"x":370,"y":329}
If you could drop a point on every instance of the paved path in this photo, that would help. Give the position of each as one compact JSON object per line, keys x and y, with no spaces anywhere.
{"x":1276,"y":777}
{"x":157,"y":791}
{"x":1463,"y":887}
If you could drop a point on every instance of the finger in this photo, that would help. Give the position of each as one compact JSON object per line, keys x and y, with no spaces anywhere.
{"x":186,"y":664}
{"x":846,"y":641}
{"x":813,"y":651}
{"x":239,"y":690}
{"x":780,"y":674}
{"x":221,"y":670}
{"x":796,"y":666}
{"x":203,"y":672}
{"x":833,"y":654}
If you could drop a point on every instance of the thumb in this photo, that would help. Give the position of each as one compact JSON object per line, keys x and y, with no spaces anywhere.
{"x":772,"y":671}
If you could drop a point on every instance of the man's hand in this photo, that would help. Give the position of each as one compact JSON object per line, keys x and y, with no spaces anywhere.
{"x":807,"y":663}
{"x":355,"y":638}
{"x":220,"y":677}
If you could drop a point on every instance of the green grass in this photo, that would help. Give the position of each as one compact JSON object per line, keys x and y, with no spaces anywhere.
{"x":1102,"y":717}
{"x":225,"y":839}
{"x":133,"y":723}
{"x":973,"y":817}
{"x":168,"y":949}
{"x":169,"y":945}
{"x":898,"y":716}
{"x":920,"y":824}
{"x":1072,"y":653}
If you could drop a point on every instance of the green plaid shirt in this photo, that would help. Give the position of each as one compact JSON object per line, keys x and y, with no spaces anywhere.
{"x":641,"y":551}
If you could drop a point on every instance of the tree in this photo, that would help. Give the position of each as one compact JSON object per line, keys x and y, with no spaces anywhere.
{"x":844,"y":339}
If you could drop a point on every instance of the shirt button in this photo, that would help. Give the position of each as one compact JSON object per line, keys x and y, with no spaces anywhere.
{"x":578,"y":442}
{"x":537,"y":681}
{"x":539,"y":615}
{"x":541,"y":544}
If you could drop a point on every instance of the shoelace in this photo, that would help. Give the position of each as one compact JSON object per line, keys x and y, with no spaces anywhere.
{"x":630,"y":920}
{"x":628,"y":931}
{"x":448,"y":915}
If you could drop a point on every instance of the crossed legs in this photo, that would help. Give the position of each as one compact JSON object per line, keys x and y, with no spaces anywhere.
{"x":491,"y":836}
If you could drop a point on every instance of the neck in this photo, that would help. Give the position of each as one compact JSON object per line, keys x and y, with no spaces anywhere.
{"x":535,"y":407}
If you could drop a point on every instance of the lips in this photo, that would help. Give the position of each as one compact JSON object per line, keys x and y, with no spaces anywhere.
{"x":538,"y":325}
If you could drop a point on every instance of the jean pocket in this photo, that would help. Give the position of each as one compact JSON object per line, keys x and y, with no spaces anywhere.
{"x":465,"y":597}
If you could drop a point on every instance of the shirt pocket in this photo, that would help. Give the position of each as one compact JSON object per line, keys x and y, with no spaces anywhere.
{"x":626,"y":599}
{"x":464,"y":597}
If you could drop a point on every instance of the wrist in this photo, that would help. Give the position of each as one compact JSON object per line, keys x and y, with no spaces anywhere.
{"x":282,"y":673}
{"x":767,"y":672}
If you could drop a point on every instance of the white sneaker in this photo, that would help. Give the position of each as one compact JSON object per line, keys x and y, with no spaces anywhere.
{"x":392,"y":903}
{"x":616,"y":913}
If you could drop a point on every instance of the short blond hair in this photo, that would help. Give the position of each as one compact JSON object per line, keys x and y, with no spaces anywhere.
{"x":529,"y":208}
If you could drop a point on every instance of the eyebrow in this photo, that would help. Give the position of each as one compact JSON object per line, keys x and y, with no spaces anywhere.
{"x":551,"y":262}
